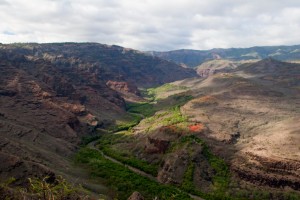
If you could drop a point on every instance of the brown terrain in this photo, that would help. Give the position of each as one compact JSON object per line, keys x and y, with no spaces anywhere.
{"x":51,"y":95}
{"x":254,"y":113}
{"x":245,"y":112}
{"x":214,"y":66}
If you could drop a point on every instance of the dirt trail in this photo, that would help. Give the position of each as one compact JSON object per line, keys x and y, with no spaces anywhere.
{"x":135,"y":170}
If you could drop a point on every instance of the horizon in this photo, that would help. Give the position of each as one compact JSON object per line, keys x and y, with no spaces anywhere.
{"x":216,"y":48}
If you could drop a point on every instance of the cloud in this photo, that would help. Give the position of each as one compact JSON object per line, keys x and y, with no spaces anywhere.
{"x":153,"y":24}
{"x":3,"y":2}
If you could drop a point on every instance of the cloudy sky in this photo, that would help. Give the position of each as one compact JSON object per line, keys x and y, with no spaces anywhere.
{"x":153,"y":24}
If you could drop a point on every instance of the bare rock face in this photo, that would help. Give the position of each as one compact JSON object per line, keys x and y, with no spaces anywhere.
{"x":136,"y":196}
{"x":159,"y":141}
{"x":262,"y":170}
{"x":173,"y":168}
{"x":128,"y":90}
{"x":157,"y":145}
{"x":205,"y":72}
{"x":123,"y":87}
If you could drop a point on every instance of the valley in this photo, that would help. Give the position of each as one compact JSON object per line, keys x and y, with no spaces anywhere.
{"x":211,"y":119}
{"x":117,"y":121}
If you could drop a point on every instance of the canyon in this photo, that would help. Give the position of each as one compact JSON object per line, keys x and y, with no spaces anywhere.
{"x":227,"y":129}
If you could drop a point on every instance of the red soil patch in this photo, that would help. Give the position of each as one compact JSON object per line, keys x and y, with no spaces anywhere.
{"x":196,"y":127}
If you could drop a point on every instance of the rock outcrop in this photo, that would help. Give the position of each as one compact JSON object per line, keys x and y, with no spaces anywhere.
{"x":136,"y":196}
{"x":123,"y":87}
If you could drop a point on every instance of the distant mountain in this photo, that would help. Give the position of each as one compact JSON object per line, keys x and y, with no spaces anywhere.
{"x":193,"y":58}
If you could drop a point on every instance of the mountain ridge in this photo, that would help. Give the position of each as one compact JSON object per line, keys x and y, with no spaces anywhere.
{"x":193,"y":58}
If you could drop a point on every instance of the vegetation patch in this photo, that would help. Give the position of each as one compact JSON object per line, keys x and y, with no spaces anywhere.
{"x":124,"y":126}
{"x":174,"y":117}
{"x":182,"y":99}
{"x":106,"y":143}
{"x":148,"y":109}
{"x":166,"y":118}
{"x":46,"y":188}
{"x":222,"y":176}
{"x":87,"y":139}
{"x":187,"y":183}
{"x":155,"y":92}
{"x":145,"y":108}
{"x":220,"y":179}
{"x":124,"y":181}
{"x":59,"y":189}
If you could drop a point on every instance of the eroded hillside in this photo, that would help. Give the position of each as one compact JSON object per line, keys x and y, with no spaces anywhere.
{"x":52,"y":95}
{"x":233,"y":134}
{"x":254,"y":112}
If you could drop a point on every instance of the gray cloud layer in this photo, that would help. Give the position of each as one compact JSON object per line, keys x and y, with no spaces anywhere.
{"x":153,"y":24}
